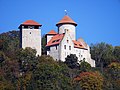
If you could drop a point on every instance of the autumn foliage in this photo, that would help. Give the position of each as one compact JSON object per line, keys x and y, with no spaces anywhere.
{"x":89,"y":81}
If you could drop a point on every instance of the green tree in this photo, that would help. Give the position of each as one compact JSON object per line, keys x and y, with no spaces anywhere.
{"x":117,"y":53}
{"x":84,"y":66}
{"x":72,"y":61}
{"x":27,"y":59}
{"x":102,"y":53}
{"x":43,"y":45}
{"x":49,"y":75}
{"x":10,"y":43}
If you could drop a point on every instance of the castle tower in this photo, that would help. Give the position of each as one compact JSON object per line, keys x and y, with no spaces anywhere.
{"x":30,"y":35}
{"x":66,"y":23}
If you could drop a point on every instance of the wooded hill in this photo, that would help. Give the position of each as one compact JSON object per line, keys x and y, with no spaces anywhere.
{"x":21,"y":69}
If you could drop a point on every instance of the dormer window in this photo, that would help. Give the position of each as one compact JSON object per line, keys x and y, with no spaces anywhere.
{"x":80,"y":45}
{"x":55,"y":41}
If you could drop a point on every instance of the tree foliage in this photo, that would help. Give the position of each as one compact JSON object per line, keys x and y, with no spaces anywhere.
{"x":116,"y":53}
{"x":84,"y":66}
{"x":102,"y":53}
{"x":21,"y":69}
{"x":72,"y":61}
{"x":49,"y":75}
{"x":89,"y":81}
{"x":9,"y":42}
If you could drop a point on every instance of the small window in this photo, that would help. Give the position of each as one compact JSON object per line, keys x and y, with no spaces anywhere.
{"x":80,"y":45}
{"x":56,"y":47}
{"x":64,"y":46}
{"x":67,"y":41}
{"x":31,"y":27}
{"x":55,"y":41}
{"x":69,"y":47}
{"x":30,"y":32}
{"x":79,"y":54}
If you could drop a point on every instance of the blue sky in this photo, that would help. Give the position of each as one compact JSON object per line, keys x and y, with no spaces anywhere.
{"x":98,"y":20}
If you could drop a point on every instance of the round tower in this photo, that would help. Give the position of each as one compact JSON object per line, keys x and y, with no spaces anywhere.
{"x":66,"y":23}
{"x":30,"y":35}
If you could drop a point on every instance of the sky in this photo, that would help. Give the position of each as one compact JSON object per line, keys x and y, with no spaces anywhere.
{"x":98,"y":20}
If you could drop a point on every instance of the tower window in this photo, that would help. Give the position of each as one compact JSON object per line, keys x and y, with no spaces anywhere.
{"x":67,"y":41}
{"x":31,"y":27}
{"x":69,"y":47}
{"x":56,"y":47}
{"x":64,"y":46}
{"x":30,"y":32}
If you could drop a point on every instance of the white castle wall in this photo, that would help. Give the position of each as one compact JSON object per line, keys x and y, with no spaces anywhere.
{"x":68,"y":42}
{"x":32,"y":38}
{"x":54,"y":52}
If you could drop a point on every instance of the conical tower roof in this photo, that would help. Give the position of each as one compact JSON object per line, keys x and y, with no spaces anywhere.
{"x":66,"y":20}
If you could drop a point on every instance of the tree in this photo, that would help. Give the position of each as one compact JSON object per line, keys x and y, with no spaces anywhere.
{"x":117,"y":53}
{"x":43,"y":45}
{"x":112,"y":76}
{"x":27,"y":59}
{"x":1,"y":44}
{"x":114,"y":70}
{"x":9,"y":43}
{"x":102,"y":53}
{"x":89,"y":81}
{"x":49,"y":75}
{"x":72,"y":61}
{"x":84,"y":66}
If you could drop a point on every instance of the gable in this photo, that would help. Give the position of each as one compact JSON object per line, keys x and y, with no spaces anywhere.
{"x":55,"y":40}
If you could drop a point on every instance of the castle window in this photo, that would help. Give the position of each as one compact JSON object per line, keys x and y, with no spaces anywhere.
{"x":30,"y":32}
{"x":55,"y":41}
{"x":80,"y":45}
{"x":36,"y":27}
{"x":79,"y":54}
{"x":67,"y":41}
{"x":31,"y":27}
{"x":64,"y":46}
{"x":69,"y":47}
{"x":56,"y":47}
{"x":24,"y":26}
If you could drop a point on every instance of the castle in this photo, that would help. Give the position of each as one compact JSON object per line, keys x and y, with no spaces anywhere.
{"x":60,"y":44}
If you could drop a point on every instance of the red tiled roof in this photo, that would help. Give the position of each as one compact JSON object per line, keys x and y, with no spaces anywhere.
{"x":55,"y":40}
{"x":78,"y":44}
{"x":31,"y":22}
{"x":66,"y":20}
{"x":52,"y":32}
